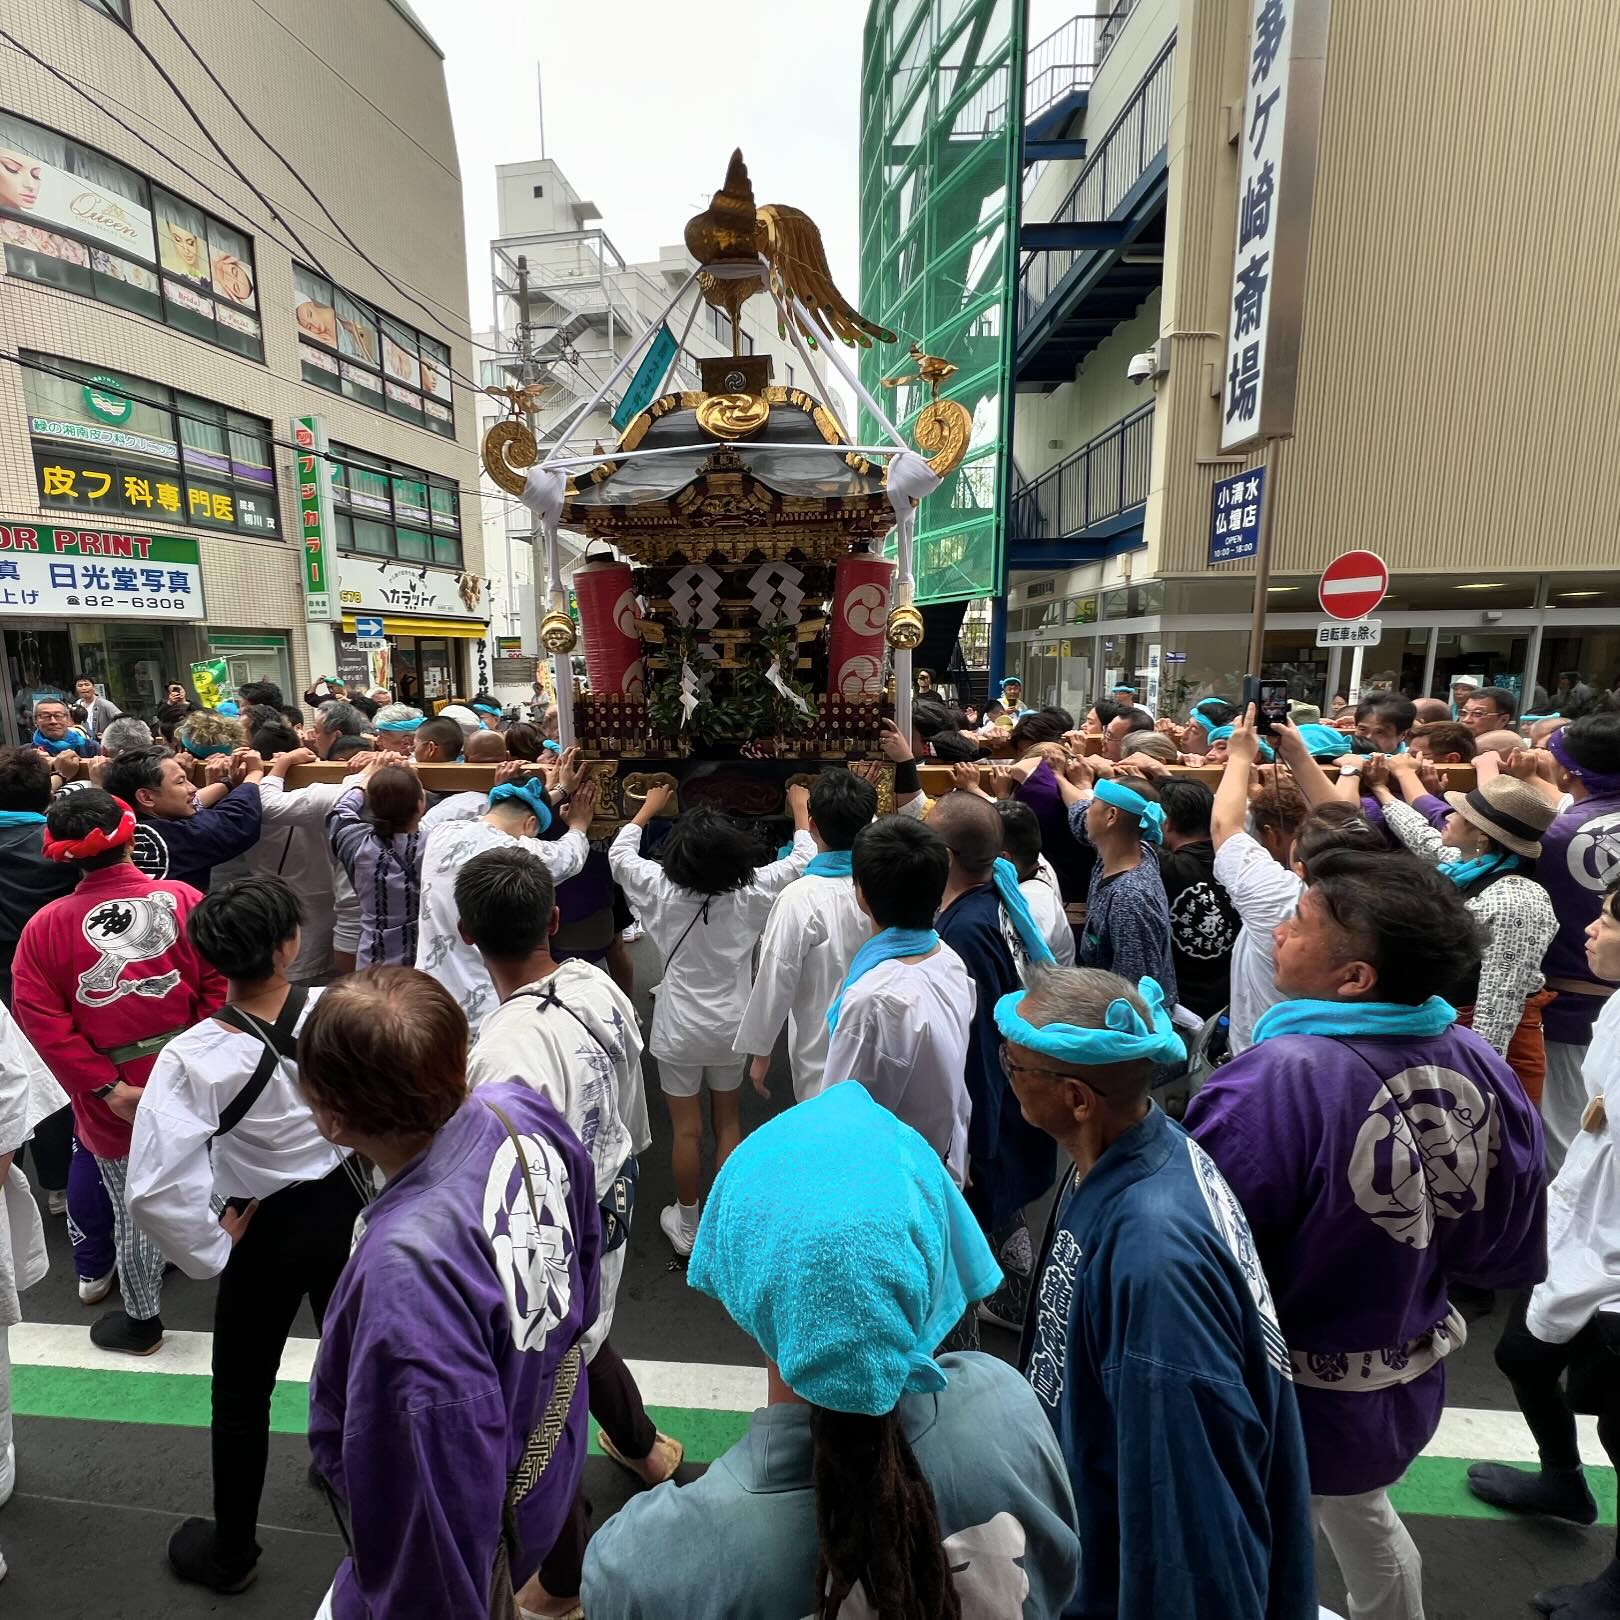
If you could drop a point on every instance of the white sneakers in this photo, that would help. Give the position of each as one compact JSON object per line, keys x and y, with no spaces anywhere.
{"x":681,"y":1236}
{"x":56,"y":1203}
{"x":8,"y":1473}
{"x":92,"y":1290}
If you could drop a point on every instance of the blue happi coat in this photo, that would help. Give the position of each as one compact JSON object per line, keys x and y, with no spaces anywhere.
{"x":1153,"y":1346}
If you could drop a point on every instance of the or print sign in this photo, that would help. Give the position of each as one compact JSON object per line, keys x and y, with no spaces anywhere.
{"x":649,"y":378}
{"x":58,"y":573}
{"x":1175,"y":658}
{"x":1358,"y":633}
{"x":1234,"y":519}
{"x":1353,"y":584}
{"x":315,"y":527}
{"x":1282,"y":115}
{"x":368,"y":632}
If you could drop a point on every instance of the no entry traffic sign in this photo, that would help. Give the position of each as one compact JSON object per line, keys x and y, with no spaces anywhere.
{"x":1353,"y":584}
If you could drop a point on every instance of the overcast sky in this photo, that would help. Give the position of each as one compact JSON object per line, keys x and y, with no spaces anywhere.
{"x":644,"y":101}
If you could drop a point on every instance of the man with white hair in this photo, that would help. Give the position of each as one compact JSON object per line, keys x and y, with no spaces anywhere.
{"x":333,"y":720}
{"x":123,"y":734}
{"x":396,"y":725}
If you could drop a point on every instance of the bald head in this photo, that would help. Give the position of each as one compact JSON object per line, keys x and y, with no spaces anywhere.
{"x":1497,"y":742}
{"x":1431,"y":709}
{"x":484,"y":748}
{"x":971,"y":829}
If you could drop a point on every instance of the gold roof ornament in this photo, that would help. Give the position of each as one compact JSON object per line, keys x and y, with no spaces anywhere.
{"x":931,"y":369}
{"x":732,"y":234}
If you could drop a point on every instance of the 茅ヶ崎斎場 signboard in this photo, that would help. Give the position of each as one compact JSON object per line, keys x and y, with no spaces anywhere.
{"x":50,"y":571}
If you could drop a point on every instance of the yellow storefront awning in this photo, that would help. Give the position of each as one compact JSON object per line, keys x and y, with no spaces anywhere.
{"x":461,"y":629}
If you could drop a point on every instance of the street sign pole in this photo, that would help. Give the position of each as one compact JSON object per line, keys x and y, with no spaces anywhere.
{"x":1354,"y":694}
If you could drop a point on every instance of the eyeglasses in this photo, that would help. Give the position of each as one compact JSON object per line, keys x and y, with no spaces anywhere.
{"x":1009,"y":1068}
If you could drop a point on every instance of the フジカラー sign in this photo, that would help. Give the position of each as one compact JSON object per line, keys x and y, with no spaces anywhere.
{"x":1360,"y":633}
{"x":315,"y":527}
{"x":58,"y":573}
{"x":1282,"y":120}
{"x":1234,"y":520}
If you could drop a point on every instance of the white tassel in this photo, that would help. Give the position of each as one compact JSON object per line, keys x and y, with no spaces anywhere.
{"x":774,"y":676}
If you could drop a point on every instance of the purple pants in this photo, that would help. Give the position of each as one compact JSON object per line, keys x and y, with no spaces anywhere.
{"x":89,"y":1217}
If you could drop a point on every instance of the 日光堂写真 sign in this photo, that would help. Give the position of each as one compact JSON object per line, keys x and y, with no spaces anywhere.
{"x":52,"y":572}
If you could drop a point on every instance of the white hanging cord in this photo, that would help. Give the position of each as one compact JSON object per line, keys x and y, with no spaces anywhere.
{"x":623,"y":366}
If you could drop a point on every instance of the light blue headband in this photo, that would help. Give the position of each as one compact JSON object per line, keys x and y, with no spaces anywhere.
{"x":400,"y":725}
{"x":485,"y":708}
{"x":531,"y":794}
{"x":206,"y":750}
{"x":1125,"y":1038}
{"x":1130,"y":689}
{"x":1224,"y":733}
{"x":1202,"y":705}
{"x":1149,"y":815}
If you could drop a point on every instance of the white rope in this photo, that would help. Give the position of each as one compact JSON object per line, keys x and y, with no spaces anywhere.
{"x":569,"y":463}
{"x":623,"y":366}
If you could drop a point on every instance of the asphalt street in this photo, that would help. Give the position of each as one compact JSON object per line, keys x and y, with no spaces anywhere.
{"x":113,"y":1453}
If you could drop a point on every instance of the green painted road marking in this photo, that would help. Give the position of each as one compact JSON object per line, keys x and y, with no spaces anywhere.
{"x":1438,"y":1487}
{"x":181,"y":1400}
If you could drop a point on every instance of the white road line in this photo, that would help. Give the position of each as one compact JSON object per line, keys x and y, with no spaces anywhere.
{"x":694,"y":1384}
{"x":1467,"y":1432}
{"x":1342,"y":587}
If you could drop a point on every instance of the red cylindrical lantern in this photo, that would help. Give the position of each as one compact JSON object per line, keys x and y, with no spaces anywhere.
{"x":607,"y":620}
{"x":860,"y":611}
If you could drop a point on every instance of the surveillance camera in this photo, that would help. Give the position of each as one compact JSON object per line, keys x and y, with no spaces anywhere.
{"x":1143,"y":365}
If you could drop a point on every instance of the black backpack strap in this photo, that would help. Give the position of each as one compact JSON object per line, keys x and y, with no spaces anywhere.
{"x":280,"y":1045}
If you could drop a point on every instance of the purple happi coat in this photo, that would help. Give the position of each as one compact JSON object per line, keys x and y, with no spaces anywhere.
{"x":1579,"y":854}
{"x":440,"y":1352}
{"x":1372,"y":1172}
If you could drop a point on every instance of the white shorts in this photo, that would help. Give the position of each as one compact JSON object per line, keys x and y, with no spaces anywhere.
{"x":688,"y":1079}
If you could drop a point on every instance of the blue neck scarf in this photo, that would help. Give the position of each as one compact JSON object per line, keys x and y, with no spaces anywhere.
{"x":1462,"y":873}
{"x":1005,"y":878}
{"x":881,"y":948}
{"x":1125,"y":1038}
{"x":1344,"y":1019}
{"x":530,"y":794}
{"x":70,"y":744}
{"x":21,"y":818}
{"x":1150,"y":816}
{"x":831,"y":863}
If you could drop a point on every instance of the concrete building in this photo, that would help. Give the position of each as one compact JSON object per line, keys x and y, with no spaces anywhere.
{"x":1452,"y":410}
{"x":587,"y":306}
{"x":173,"y":321}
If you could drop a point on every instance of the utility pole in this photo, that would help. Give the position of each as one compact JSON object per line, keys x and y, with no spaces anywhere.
{"x":523,"y":343}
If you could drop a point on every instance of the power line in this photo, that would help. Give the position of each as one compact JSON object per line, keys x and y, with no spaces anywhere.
{"x":302,"y":249}
{"x":281,"y":158}
{"x":270,"y":438}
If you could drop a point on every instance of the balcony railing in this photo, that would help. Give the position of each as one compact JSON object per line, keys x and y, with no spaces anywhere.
{"x":1058,"y":64}
{"x":1111,"y":26}
{"x":1101,"y":479}
{"x":1133,"y":141}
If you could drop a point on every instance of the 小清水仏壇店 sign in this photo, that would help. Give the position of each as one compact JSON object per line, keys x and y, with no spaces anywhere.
{"x":1234,"y":518}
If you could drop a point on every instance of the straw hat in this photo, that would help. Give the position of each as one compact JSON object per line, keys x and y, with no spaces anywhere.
{"x":1511,"y":811}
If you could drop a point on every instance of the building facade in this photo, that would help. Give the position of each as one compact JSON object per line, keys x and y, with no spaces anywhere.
{"x":586,"y":307}
{"x":178,"y":320}
{"x":1451,"y":413}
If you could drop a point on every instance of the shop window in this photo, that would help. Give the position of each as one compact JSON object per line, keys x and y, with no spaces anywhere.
{"x":348,"y":348}
{"x":384,"y":509}
{"x":73,"y":218}
{"x":107,"y":443}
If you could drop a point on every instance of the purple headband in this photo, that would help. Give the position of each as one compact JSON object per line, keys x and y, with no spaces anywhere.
{"x":1593,"y":781}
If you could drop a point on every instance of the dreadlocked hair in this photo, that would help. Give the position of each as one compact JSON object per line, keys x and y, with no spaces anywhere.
{"x":876,"y":1521}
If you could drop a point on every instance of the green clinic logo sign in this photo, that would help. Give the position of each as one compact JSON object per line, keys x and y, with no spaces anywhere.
{"x":105,"y":401}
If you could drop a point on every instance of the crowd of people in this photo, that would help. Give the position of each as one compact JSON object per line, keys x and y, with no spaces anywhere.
{"x":1237,"y":1105}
